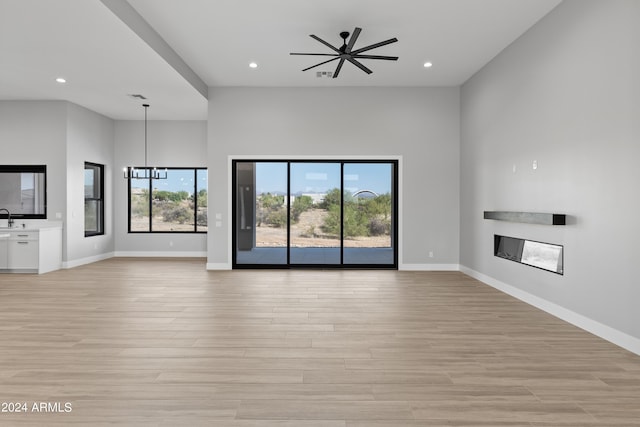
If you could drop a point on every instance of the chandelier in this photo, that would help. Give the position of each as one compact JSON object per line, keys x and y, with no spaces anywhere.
{"x":146,"y":172}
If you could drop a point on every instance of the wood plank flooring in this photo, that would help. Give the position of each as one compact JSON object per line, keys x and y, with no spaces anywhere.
{"x":163,"y":342}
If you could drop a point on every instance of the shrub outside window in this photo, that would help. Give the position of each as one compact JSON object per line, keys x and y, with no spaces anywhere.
{"x":177,"y":204}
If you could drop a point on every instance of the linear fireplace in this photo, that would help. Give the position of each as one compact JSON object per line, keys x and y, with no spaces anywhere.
{"x":546,"y":256}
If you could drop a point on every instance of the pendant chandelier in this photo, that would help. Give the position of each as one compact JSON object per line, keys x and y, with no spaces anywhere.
{"x":146,"y":172}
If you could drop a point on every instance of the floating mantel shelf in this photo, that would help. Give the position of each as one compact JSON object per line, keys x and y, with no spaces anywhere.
{"x":527,"y":217}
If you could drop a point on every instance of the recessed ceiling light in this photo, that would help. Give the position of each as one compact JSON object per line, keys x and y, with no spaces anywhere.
{"x":253,"y":65}
{"x":61,"y":80}
{"x":428,"y":65}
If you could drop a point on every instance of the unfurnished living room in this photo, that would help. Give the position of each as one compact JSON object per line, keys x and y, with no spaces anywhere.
{"x":289,"y":213}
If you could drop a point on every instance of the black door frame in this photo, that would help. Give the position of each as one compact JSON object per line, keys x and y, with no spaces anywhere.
{"x":341,"y":264}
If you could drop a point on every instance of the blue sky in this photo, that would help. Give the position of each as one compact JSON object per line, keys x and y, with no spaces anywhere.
{"x":177,"y":180}
{"x":321,"y":177}
{"x":305,"y":178}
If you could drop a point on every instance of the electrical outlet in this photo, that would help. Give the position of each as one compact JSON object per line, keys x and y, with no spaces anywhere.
{"x":430,"y":254}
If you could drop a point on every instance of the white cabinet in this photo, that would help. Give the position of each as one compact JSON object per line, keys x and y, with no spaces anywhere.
{"x":49,"y":249}
{"x":4,"y":248}
{"x":31,"y":251}
{"x":23,"y":250}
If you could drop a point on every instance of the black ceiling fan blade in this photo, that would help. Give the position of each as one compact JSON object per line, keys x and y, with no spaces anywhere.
{"x":338,"y":68}
{"x":324,"y":43}
{"x":322,"y":63}
{"x":314,"y":54}
{"x":388,"y":58}
{"x":373,"y":46}
{"x":346,"y":52}
{"x":359,"y":65}
{"x":353,"y":39}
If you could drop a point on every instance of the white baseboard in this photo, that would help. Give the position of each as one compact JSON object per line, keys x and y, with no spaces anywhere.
{"x":87,"y":260}
{"x":160,"y":254}
{"x":218,"y":266}
{"x":608,"y":333}
{"x":429,"y":267}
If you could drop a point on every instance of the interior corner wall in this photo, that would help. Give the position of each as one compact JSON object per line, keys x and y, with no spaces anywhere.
{"x":419,"y":124}
{"x":170,"y":144}
{"x":89,"y":139}
{"x":62,"y":136}
{"x":565,"y":95}
{"x":35,"y":133}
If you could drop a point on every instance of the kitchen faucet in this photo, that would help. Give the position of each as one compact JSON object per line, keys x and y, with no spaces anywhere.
{"x":10,"y":221}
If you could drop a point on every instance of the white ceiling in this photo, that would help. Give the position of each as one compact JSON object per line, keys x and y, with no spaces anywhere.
{"x":103,"y":59}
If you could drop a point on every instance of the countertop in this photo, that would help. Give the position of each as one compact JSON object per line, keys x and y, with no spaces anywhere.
{"x":31,"y":227}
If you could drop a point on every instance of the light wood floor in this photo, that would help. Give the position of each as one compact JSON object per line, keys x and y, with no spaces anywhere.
{"x":165,"y":343}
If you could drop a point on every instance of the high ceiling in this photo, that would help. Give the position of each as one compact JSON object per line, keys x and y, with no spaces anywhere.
{"x":106,"y":54}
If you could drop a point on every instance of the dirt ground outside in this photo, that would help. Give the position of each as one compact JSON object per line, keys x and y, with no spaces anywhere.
{"x":307,"y":232}
{"x":142,"y":224}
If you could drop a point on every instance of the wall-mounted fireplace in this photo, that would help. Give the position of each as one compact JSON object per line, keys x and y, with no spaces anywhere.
{"x":546,"y":256}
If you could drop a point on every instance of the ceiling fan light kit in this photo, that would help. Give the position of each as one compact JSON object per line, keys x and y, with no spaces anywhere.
{"x":347,"y":53}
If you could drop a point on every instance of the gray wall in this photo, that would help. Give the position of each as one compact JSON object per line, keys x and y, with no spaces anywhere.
{"x":63,"y":136}
{"x":567,"y":95}
{"x":419,"y":124}
{"x":172,"y":144}
{"x":35,"y":132}
{"x":89,"y":139}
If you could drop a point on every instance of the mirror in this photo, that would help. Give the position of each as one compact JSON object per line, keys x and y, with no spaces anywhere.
{"x":23,"y":191}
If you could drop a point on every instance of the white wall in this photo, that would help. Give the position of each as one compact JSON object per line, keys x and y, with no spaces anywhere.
{"x":89,"y":139}
{"x":419,"y":124}
{"x":170,"y":144}
{"x":566,"y":94}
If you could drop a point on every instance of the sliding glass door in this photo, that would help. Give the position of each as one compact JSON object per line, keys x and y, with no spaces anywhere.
{"x":300,"y":213}
{"x":261,"y":201}
{"x":314,"y":222}
{"x":369,"y":219}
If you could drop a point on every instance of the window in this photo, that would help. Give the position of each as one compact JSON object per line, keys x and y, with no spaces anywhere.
{"x":177,"y":204}
{"x":23,"y":191}
{"x":93,"y":199}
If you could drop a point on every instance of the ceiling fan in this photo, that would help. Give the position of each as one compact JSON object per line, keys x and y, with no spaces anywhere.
{"x":346,"y":52}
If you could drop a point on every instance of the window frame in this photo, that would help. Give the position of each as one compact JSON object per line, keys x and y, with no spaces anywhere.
{"x":395,"y":209}
{"x":196,"y":189}
{"x":27,"y":169}
{"x":100,"y":200}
